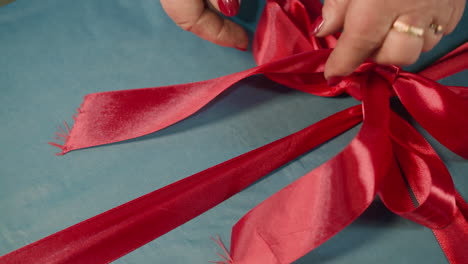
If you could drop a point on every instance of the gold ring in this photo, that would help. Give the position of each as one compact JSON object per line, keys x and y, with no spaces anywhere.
{"x":405,"y":28}
{"x":438,"y":29}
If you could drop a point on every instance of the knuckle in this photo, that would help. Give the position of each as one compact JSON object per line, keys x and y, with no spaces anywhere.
{"x":185,"y":25}
{"x":364,"y":34}
{"x":363,"y":42}
{"x":190,"y":23}
{"x":222,"y":31}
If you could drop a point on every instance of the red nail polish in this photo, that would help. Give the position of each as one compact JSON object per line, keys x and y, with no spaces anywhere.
{"x":333,"y":81}
{"x":317,"y":25}
{"x":229,"y":7}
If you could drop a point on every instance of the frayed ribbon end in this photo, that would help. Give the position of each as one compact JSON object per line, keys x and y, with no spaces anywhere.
{"x":227,"y":256}
{"x":62,"y":135}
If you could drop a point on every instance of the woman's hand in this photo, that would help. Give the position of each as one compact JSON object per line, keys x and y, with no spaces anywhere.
{"x":203,"y":20}
{"x":368,"y":30}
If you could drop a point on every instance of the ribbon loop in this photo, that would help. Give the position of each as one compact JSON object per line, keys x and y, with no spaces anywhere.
{"x":389,"y":72}
{"x":386,"y":156}
{"x":418,"y":172}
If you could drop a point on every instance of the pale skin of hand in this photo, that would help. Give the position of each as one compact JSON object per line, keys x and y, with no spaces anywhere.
{"x":366,"y":27}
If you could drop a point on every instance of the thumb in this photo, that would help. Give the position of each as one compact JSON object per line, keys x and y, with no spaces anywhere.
{"x":196,"y":17}
{"x":333,"y":15}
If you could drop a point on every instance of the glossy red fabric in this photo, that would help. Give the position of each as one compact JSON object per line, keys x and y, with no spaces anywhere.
{"x":116,"y":232}
{"x":387,"y":155}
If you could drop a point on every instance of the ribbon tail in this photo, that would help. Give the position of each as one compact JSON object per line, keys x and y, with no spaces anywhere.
{"x":306,"y":213}
{"x":437,"y":204}
{"x":452,"y":63}
{"x":426,"y":175}
{"x":315,"y":207}
{"x":453,"y":239}
{"x":114,"y":116}
{"x":109,"y":117}
{"x":114,"y":233}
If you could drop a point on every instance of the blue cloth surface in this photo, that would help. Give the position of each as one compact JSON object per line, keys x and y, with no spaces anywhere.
{"x":53,"y":52}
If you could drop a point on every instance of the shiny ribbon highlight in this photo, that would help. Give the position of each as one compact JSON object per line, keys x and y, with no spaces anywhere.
{"x":385,"y":157}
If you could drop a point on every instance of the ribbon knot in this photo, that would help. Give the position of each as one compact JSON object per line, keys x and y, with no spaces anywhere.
{"x":353,"y":83}
{"x":389,"y":72}
{"x":388,"y":157}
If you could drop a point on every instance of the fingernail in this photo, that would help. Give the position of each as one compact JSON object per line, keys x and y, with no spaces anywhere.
{"x":317,"y":25}
{"x":229,"y":7}
{"x":333,"y":81}
{"x":241,"y":49}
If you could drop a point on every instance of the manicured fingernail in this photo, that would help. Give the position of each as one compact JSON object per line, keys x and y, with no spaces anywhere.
{"x":317,"y":25}
{"x":241,"y":49}
{"x":333,"y":81}
{"x":229,"y":7}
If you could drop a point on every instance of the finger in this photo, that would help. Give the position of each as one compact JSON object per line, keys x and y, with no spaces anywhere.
{"x":333,"y":16}
{"x":194,"y":16}
{"x":364,"y":30}
{"x":402,"y":48}
{"x":458,"y":8}
{"x":431,"y":39}
{"x":442,"y":14}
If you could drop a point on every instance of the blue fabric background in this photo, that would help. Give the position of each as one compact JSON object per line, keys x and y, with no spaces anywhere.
{"x":53,"y":52}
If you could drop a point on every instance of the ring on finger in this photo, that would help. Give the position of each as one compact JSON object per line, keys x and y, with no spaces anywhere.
{"x":438,"y":29}
{"x":402,"y":27}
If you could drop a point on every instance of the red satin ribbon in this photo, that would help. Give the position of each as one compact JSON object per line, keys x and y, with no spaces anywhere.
{"x":387,"y":155}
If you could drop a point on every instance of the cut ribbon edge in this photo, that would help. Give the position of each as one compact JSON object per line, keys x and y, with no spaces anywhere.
{"x":301,"y":71}
{"x":138,"y":218}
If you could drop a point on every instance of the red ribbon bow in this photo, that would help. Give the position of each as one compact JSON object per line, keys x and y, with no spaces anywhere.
{"x":386,"y":156}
